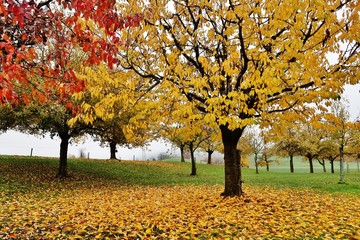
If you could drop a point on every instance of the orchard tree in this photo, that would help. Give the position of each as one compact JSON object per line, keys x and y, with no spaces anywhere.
{"x":331,"y":153}
{"x":313,"y":137}
{"x":212,"y":142}
{"x":184,"y":129}
{"x":255,"y":143}
{"x":41,"y":115}
{"x":238,"y":60}
{"x":268,"y":152}
{"x":342,"y":130}
{"x":285,"y":132}
{"x":106,"y":106}
{"x":27,"y":24}
{"x":36,"y":39}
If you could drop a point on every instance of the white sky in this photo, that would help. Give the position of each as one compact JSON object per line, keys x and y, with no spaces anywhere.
{"x":15,"y":143}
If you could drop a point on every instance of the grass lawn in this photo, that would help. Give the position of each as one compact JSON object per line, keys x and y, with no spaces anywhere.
{"x":160,"y":200}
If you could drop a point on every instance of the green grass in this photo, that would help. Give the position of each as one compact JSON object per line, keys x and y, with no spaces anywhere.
{"x":21,"y":174}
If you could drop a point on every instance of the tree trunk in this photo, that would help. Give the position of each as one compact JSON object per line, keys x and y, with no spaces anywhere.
{"x":267,"y":163}
{"x":256,"y":164}
{"x":113,"y":150}
{"x":182,"y":146}
{"x":332,"y":165}
{"x":291,"y":163}
{"x":193,"y":163}
{"x":232,"y":161}
{"x":322,"y":163}
{"x":210,"y":152}
{"x":341,"y":151}
{"x":311,"y":165}
{"x":63,"y":155}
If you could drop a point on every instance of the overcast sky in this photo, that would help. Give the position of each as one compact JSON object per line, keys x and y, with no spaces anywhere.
{"x":14,"y":143}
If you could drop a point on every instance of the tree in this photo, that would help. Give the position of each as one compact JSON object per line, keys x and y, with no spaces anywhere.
{"x":211,"y":142}
{"x":313,"y":136}
{"x":237,"y":60}
{"x":342,"y":130}
{"x":268,"y":151}
{"x":256,"y":144}
{"x":331,"y":153}
{"x":106,"y":105}
{"x":285,"y":132}
{"x":184,"y":129}
{"x":37,"y":74}
{"x":28,"y":25}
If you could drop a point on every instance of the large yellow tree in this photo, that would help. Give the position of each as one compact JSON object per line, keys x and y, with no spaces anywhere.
{"x":237,"y":60}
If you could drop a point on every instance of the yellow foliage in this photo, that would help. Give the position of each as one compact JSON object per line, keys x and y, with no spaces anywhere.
{"x":196,"y":212}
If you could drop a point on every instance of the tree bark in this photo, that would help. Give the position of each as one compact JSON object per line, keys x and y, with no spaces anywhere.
{"x":210,"y":152}
{"x":232,"y":160}
{"x":311,"y":165}
{"x":193,"y":163}
{"x":322,"y":163}
{"x":62,"y":173}
{"x":332,"y":165}
{"x":113,"y":150}
{"x":182,"y":146}
{"x":291,"y":163}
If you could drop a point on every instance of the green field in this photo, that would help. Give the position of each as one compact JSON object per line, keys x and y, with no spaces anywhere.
{"x":26,"y":172}
{"x":106,"y":199}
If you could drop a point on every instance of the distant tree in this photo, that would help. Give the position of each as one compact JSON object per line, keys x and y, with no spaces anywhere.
{"x":269,"y":150}
{"x":312,"y":144}
{"x":253,"y":142}
{"x":285,"y":132}
{"x":342,"y":130}
{"x":108,"y":106}
{"x":163,"y":156}
{"x":212,"y":140}
{"x":330,"y":153}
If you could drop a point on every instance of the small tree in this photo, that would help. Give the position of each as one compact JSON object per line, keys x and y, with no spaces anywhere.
{"x":343,"y":131}
{"x":253,"y":142}
{"x":312,"y":143}
{"x":212,"y":140}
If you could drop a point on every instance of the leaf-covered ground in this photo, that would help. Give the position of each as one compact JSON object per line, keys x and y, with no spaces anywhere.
{"x":83,"y":209}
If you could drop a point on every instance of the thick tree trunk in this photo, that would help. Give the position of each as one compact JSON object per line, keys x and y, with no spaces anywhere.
{"x":113,"y":150}
{"x":233,"y":181}
{"x":182,"y":146}
{"x":210,"y":152}
{"x":332,"y":166}
{"x":256,"y":164}
{"x":193,"y":163}
{"x":62,"y":173}
{"x":311,"y":165}
{"x":291,"y":163}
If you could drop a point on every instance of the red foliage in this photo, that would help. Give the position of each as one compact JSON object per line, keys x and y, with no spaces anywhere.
{"x":27,"y":24}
